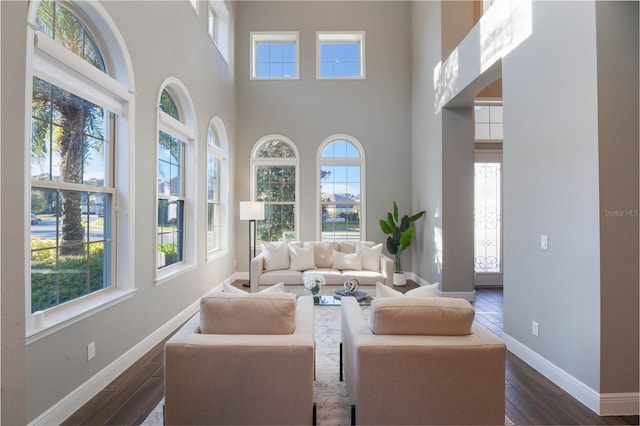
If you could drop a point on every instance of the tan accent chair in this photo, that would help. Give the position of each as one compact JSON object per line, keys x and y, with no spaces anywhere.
{"x":262,"y":375}
{"x":421,"y":360}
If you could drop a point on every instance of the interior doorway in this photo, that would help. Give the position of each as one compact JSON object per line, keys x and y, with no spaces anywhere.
{"x":488,"y":235}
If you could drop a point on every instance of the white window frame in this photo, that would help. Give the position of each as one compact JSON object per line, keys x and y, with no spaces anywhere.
{"x":115,"y":91}
{"x":341,"y":37}
{"x":255,"y":162}
{"x":337,"y":161}
{"x":219,"y":27}
{"x":220,"y":152}
{"x":273,"y":37}
{"x":184,"y":131}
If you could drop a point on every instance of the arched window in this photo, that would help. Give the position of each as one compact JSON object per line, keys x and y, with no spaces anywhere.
{"x":176,"y":140}
{"x":217,"y":179}
{"x":341,"y":190}
{"x":275,"y":182}
{"x":79,"y":161}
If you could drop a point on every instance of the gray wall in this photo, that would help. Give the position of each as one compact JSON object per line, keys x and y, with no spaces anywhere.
{"x":159,"y":49}
{"x":551,"y":188}
{"x":570,"y":152}
{"x":617,"y":45}
{"x":426,"y":136}
{"x":376,"y":111}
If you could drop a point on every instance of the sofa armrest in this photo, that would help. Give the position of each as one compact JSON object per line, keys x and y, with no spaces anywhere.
{"x":257,"y":267}
{"x":209,"y":378}
{"x":386,"y":268}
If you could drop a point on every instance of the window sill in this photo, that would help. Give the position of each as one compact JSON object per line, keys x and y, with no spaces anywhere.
{"x":165,"y":276}
{"x":216,"y":254}
{"x":63,"y":316}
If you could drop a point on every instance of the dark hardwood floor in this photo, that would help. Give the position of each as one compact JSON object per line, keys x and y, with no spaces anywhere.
{"x":531,"y":399}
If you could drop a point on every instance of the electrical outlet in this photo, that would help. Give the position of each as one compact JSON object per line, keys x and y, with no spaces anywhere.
{"x":544,"y":242}
{"x":91,"y":351}
{"x":535,"y":328}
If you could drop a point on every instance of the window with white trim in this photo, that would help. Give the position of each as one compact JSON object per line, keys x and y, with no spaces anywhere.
{"x":340,"y":55}
{"x":176,"y":140}
{"x":79,"y":164}
{"x":216,"y":185}
{"x":274,"y":55}
{"x":275,"y":182}
{"x":219,"y":27}
{"x":341,"y":191}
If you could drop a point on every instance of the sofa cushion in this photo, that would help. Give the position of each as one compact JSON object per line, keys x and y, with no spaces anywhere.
{"x":248,"y":313}
{"x":363,"y":277}
{"x":301,"y":257}
{"x":323,"y":252}
{"x":287,"y":276}
{"x":430,"y":290}
{"x":276,"y":256}
{"x":331,"y":276}
{"x":350,"y":261}
{"x":276,"y":288}
{"x":370,"y":256}
{"x":432,"y":316}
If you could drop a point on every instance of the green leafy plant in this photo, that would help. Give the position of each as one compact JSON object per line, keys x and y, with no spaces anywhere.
{"x":400,"y":233}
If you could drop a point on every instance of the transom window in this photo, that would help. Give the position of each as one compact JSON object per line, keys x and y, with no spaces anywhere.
{"x":216,"y":184}
{"x":274,"y":55}
{"x":488,"y":121}
{"x":275,"y":176}
{"x":341,"y":191}
{"x":340,"y":55}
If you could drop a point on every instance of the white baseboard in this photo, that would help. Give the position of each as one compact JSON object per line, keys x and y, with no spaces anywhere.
{"x":68,"y":405}
{"x":610,"y":404}
{"x":466,"y":295}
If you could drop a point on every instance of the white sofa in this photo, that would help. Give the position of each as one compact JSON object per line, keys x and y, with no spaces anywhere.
{"x":289,"y":262}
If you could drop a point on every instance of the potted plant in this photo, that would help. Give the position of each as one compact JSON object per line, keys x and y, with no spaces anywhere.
{"x":400,"y":237}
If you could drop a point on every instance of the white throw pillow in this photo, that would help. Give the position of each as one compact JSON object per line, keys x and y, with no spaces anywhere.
{"x":430,"y":290}
{"x":347,"y":261}
{"x":386,"y":291}
{"x":276,"y":288}
{"x":302,"y":258}
{"x":370,"y":256}
{"x":276,"y":256}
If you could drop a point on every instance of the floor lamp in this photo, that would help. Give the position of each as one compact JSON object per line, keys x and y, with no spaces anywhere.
{"x":251,"y":211}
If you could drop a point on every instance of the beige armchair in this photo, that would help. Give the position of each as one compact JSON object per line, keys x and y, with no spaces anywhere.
{"x":421,"y":361}
{"x":244,"y":359}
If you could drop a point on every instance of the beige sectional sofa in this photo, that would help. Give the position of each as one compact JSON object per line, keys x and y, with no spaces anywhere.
{"x":289,"y":262}
{"x":421,"y":360}
{"x":243,"y":359}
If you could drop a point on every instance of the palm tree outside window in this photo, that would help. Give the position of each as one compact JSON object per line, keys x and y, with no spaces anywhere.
{"x":72,"y":188}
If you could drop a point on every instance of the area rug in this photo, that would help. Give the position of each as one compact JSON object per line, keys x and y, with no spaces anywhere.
{"x":330,"y":394}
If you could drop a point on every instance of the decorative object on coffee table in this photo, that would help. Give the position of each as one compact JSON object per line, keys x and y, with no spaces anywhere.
{"x":351,"y":286}
{"x":251,"y":211}
{"x":313,"y":283}
{"x":351,"y":290}
{"x":400,"y":238}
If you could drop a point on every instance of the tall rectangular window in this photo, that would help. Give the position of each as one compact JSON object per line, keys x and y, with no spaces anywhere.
{"x":171,"y":200}
{"x":71,"y":195}
{"x":340,"y":55}
{"x":487,"y":257}
{"x":274,"y":55}
{"x":213,"y":202}
{"x":219,"y":27}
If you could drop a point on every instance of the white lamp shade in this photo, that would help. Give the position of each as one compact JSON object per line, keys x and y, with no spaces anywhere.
{"x":251,"y":210}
